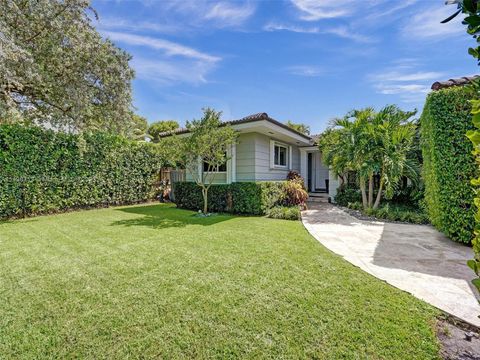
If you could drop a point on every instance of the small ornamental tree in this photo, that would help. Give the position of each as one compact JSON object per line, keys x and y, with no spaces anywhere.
{"x":205,"y":147}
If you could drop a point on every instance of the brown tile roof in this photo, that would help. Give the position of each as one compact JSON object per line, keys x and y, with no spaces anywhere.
{"x":454,"y":82}
{"x":246,"y":119}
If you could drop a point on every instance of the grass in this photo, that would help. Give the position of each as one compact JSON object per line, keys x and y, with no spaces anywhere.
{"x":156,"y":281}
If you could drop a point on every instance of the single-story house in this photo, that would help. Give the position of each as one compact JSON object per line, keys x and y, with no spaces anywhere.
{"x":266,"y":150}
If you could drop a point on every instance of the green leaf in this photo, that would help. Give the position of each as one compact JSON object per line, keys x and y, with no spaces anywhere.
{"x":476,"y":282}
{"x":474,"y":136}
{"x":472,"y":264}
{"x":470,"y":6}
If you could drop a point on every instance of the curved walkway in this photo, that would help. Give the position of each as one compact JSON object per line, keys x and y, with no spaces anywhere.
{"x":415,"y":258}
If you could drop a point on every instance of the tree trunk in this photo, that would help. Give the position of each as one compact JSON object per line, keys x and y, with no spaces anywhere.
{"x":370,"y":190}
{"x":205,"y":200}
{"x":364,"y":194}
{"x":379,"y":195}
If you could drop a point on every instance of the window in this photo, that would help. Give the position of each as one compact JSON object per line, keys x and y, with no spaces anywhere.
{"x":280,"y":158}
{"x":221,"y":168}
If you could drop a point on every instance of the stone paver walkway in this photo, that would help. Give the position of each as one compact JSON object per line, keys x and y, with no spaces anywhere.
{"x":415,"y":258}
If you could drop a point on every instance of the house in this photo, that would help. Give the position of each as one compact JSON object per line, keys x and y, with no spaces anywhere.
{"x":266,"y":150}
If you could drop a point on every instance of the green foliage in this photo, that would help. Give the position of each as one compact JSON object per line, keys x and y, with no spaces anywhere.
{"x":208,"y":140}
{"x":372,"y":144}
{"x":302,"y":128}
{"x":158,"y":127}
{"x":284,"y":212}
{"x":346,"y":195}
{"x":295,"y":193}
{"x":57,"y":69}
{"x":448,"y":163}
{"x":239,"y":198}
{"x":474,"y":136}
{"x":45,"y":171}
{"x":393,"y":212}
{"x":139,"y":128}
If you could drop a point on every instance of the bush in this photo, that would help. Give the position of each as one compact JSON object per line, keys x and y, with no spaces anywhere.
{"x":240,"y":198}
{"x":393,"y":212}
{"x":347,"y":194}
{"x":448,"y":162}
{"x":45,"y":171}
{"x":295,"y":194}
{"x":284,"y":212}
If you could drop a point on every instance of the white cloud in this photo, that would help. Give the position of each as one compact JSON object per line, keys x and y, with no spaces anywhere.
{"x":404,"y":79}
{"x":397,"y":76}
{"x":426,"y":24}
{"x":170,"y":72}
{"x":305,"y":70}
{"x":204,"y":13}
{"x":390,"y":89}
{"x":169,"y":48}
{"x":111,"y":23}
{"x":228,"y":14}
{"x":173,"y":63}
{"x":340,"y":31}
{"x":313,"y":10}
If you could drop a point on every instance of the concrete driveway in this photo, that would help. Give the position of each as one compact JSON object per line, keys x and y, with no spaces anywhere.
{"x":415,"y":258}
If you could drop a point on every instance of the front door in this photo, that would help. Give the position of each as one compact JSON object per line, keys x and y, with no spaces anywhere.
{"x":309,"y":172}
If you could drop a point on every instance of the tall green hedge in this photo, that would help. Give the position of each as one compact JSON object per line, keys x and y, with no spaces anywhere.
{"x":448,"y":163}
{"x":239,"y":198}
{"x":43,"y":171}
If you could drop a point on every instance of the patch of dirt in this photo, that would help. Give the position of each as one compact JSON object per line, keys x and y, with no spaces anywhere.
{"x":452,"y":335}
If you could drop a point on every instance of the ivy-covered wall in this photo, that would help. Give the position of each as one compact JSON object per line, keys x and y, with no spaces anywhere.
{"x":448,"y":162}
{"x":43,"y":171}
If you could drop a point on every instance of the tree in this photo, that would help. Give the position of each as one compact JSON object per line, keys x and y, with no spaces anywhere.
{"x":139,"y":128}
{"x":57,"y":69}
{"x":158,"y":127}
{"x":205,"y":147}
{"x":302,"y":128}
{"x":394,"y":143}
{"x":471,"y":9}
{"x":372,"y":144}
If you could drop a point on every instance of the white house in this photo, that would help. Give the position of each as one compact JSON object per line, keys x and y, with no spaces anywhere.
{"x":266,"y":150}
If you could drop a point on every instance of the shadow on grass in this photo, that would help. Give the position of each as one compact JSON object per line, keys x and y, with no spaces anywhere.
{"x":166,"y":216}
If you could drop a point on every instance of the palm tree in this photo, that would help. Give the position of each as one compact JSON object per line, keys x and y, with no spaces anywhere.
{"x":372,"y":144}
{"x":395,"y":140}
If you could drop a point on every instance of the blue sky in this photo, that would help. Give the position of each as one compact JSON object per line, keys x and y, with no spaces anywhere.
{"x":301,"y":60}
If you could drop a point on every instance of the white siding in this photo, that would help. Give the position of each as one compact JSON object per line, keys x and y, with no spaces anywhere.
{"x":263,"y":171}
{"x":321,"y":172}
{"x":246,"y":157}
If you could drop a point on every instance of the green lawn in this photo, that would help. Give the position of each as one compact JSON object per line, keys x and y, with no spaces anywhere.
{"x":155,"y":281}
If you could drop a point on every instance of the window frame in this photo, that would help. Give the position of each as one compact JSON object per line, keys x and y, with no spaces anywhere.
{"x":284,"y":146}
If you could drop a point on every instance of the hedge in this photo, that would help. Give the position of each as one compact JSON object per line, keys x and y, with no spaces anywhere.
{"x":43,"y":171}
{"x":448,"y":163}
{"x":239,"y":198}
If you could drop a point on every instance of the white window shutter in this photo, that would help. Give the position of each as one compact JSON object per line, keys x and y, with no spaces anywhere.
{"x":289,"y":158}
{"x":272,"y":154}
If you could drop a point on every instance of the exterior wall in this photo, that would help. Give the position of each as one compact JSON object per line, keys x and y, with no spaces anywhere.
{"x":220,"y":178}
{"x":245,"y":157}
{"x":263,"y":171}
{"x":252,"y":158}
{"x":333,"y":186}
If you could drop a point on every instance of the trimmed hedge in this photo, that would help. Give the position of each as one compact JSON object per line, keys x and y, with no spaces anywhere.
{"x":239,"y":198}
{"x":42,"y":171}
{"x":448,"y":162}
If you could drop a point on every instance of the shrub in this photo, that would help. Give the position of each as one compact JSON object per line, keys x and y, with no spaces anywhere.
{"x":393,"y":212}
{"x":347,"y":194}
{"x":240,"y":198}
{"x":43,"y":171}
{"x":284,"y":212}
{"x":448,"y":163}
{"x":295,"y":194}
